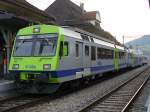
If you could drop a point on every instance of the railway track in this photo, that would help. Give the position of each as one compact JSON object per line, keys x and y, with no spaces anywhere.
{"x":20,"y":102}
{"x":24,"y":101}
{"x":119,"y":98}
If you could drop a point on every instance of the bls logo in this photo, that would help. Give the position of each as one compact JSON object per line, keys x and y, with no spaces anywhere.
{"x":30,"y":66}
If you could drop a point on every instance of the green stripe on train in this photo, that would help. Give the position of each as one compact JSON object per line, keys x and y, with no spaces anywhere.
{"x":116,"y":59}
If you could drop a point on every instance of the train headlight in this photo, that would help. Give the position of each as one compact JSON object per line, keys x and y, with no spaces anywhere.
{"x":36,"y":30}
{"x":46,"y":66}
{"x":15,"y":66}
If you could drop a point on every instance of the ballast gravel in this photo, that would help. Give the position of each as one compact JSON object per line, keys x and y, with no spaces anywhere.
{"x":142,"y":102}
{"x":75,"y":100}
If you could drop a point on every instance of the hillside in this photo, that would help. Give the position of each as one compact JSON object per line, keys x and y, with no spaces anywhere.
{"x":142,"y":43}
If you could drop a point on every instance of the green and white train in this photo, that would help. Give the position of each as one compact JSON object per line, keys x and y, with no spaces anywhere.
{"x":46,"y":56}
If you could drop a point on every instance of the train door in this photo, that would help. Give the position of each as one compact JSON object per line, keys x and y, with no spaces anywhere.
{"x":86,"y":54}
{"x":79,"y":54}
{"x":86,"y":60}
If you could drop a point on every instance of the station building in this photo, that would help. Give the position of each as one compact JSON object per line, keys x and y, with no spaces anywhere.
{"x":15,"y":14}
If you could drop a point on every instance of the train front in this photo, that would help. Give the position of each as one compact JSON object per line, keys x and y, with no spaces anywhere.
{"x":34,"y":58}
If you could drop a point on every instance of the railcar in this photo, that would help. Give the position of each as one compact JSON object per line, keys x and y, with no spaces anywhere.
{"x":45,"y":56}
{"x":135,"y":57}
{"x":144,"y":60}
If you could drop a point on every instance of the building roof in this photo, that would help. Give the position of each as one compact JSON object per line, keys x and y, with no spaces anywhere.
{"x":70,"y":14}
{"x":92,"y":15}
{"x":64,"y":10}
{"x":25,"y":10}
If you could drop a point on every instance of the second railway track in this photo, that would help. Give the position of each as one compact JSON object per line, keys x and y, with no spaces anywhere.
{"x":118,"y":99}
{"x":17,"y":103}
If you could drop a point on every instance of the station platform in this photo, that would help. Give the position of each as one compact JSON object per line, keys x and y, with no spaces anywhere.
{"x":7,"y":89}
{"x":6,"y":85}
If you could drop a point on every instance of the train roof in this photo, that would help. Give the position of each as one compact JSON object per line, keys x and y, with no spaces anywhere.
{"x":87,"y":33}
{"x":69,"y":31}
{"x":72,"y":33}
{"x":76,"y":34}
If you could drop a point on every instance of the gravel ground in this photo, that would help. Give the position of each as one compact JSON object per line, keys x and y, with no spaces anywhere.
{"x":142,"y":101}
{"x":73,"y":101}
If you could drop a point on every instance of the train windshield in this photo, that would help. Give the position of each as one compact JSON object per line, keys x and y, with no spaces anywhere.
{"x":45,"y":46}
{"x":36,"y":45}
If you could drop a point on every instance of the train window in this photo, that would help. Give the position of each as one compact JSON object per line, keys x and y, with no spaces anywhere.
{"x":107,"y":53}
{"x":66,"y":49}
{"x":61,"y":49}
{"x":77,"y":50}
{"x":110,"y":54}
{"x":130,"y":55}
{"x":99,"y":53}
{"x":121,"y":55}
{"x":86,"y":50}
{"x":103,"y":53}
{"x":93,"y":53}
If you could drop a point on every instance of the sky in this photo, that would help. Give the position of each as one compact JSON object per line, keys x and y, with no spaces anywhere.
{"x":130,"y":18}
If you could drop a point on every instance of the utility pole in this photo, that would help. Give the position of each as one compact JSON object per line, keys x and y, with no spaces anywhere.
{"x":123,"y":40}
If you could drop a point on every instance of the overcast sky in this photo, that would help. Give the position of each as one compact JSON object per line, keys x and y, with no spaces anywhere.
{"x":119,"y":17}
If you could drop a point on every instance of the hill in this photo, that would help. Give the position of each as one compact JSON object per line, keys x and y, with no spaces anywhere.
{"x":142,"y":43}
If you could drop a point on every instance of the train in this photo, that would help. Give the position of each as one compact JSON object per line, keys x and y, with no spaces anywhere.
{"x":46,"y":56}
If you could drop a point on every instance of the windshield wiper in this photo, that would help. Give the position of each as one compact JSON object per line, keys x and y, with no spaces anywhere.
{"x":49,"y":42}
{"x":20,"y":44}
